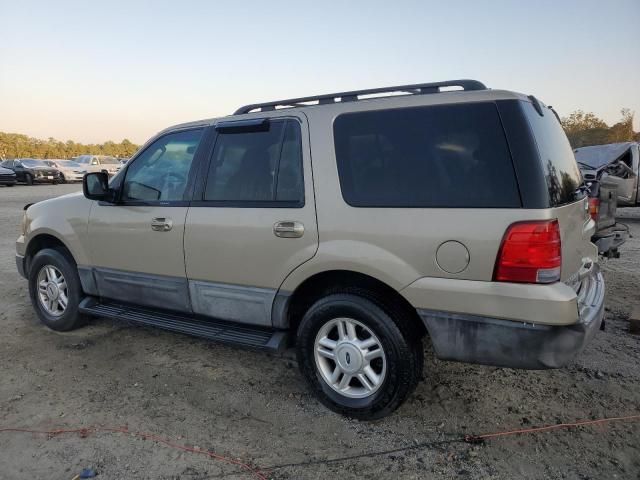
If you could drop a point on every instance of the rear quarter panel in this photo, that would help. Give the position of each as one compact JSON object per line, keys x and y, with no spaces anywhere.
{"x":399,"y":245}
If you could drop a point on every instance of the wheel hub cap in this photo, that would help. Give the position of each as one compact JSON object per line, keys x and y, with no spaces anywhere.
{"x":52,"y":290}
{"x":350,"y":358}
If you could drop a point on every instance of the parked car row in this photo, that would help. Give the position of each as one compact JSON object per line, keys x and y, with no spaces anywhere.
{"x":32,"y":170}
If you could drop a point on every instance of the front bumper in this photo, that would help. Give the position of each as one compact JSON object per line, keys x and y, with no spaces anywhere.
{"x":610,"y":239}
{"x":514,"y":344}
{"x":46,"y":179}
{"x":21,"y":266}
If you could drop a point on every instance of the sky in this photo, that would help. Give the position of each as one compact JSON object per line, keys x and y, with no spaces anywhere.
{"x":96,"y":71}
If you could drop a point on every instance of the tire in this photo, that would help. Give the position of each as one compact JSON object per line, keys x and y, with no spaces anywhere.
{"x":10,"y":184}
{"x":62,"y":262}
{"x":28,"y":178}
{"x":399,"y":368}
{"x":62,"y":178}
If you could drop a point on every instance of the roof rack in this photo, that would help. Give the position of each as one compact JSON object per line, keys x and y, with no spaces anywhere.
{"x":415,"y":89}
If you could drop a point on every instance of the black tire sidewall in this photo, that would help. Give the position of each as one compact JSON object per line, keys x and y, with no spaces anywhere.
{"x":394,"y":388}
{"x":71,"y":318}
{"x":28,"y":179}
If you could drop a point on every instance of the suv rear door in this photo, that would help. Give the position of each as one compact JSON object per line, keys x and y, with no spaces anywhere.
{"x":253,"y":218}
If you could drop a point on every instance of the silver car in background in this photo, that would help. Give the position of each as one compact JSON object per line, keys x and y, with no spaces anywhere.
{"x":70,"y":171}
{"x":98,"y":163}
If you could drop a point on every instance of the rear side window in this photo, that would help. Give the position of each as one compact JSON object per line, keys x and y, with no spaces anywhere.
{"x":558,"y":161}
{"x":258,"y":166}
{"x":436,"y":156}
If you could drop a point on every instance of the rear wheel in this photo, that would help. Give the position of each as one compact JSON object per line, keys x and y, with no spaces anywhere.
{"x":55,"y":291}
{"x":361,"y":358}
{"x":28,"y":178}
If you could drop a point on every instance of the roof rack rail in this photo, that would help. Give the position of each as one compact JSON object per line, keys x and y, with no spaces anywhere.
{"x":415,"y":89}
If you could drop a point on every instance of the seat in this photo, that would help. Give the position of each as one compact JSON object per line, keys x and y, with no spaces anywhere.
{"x":253,"y":180}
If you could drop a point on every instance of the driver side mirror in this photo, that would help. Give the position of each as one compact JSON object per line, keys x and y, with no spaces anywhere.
{"x":95,"y":186}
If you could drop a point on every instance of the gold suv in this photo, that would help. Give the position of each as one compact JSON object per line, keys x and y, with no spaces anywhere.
{"x":351,"y":225}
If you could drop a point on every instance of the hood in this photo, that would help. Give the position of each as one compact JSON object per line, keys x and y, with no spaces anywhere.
{"x":598,"y":156}
{"x":43,"y":169}
{"x":55,"y":200}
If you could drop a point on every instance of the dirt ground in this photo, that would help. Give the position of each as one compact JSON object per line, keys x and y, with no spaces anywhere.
{"x":255,"y":407}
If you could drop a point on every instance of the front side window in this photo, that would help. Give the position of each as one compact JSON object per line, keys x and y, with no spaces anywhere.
{"x":160,"y":172}
{"x":261,"y":166}
{"x":437,"y":156}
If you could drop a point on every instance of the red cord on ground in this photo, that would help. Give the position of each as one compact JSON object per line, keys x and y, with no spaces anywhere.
{"x":477,"y":438}
{"x":86,"y":431}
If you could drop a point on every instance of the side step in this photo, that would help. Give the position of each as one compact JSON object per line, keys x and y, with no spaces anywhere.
{"x":217,"y":330}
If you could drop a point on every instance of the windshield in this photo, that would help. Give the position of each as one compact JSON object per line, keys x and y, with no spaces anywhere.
{"x":108,"y":160}
{"x":69,"y":164}
{"x":33,"y":163}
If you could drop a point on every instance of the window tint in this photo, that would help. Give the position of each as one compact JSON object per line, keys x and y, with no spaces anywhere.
{"x":437,"y":156}
{"x":559,"y":163}
{"x":160,"y":172}
{"x":258,"y":166}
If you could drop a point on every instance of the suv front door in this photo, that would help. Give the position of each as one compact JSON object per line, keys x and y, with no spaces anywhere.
{"x":252,"y":220}
{"x":136,"y":244}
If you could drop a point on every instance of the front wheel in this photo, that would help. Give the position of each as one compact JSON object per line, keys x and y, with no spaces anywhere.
{"x":55,"y":291}
{"x":28,"y":178}
{"x":360,"y":358}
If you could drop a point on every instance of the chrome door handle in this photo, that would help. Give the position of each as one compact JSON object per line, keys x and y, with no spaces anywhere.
{"x":161,"y":224}
{"x":288,"y":229}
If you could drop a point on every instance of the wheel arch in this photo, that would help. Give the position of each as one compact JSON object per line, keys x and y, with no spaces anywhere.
{"x":41,"y":241}
{"x":289,"y":309}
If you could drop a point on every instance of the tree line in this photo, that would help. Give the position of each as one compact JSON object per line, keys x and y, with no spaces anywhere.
{"x":582,"y":129}
{"x":15,"y":145}
{"x":585,"y":129}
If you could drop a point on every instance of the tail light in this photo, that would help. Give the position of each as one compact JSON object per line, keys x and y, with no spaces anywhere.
{"x":530,"y":253}
{"x":594,"y":207}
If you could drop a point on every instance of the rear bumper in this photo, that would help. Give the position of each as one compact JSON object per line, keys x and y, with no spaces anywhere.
{"x":516,"y":344}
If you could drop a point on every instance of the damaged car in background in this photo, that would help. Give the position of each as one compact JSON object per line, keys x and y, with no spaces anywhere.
{"x":611,"y":171}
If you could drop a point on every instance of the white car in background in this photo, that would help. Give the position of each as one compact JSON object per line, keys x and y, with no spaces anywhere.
{"x":69,"y":170}
{"x":98,"y":163}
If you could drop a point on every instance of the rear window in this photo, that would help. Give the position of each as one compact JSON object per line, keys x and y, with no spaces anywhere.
{"x":558,"y":161}
{"x":436,"y":156}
